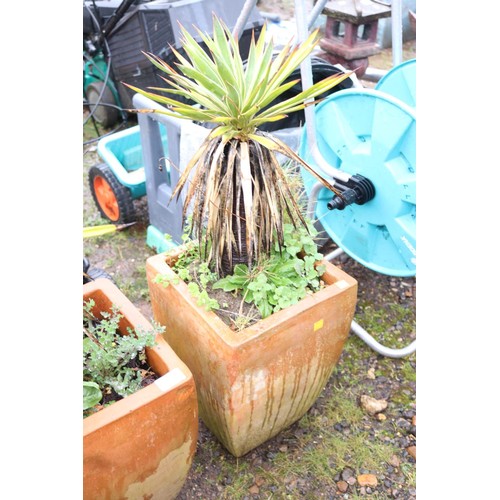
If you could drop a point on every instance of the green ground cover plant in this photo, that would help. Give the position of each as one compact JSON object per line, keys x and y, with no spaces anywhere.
{"x":114,"y":365}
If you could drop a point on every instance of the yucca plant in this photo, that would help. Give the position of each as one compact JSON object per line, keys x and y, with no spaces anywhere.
{"x":238,"y":193}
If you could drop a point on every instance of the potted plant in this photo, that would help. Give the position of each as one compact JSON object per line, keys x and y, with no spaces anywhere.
{"x":140,"y":446}
{"x":255,"y":382}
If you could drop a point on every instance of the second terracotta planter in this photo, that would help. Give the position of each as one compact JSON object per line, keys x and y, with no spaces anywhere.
{"x":143,"y":445}
{"x":254,"y":383}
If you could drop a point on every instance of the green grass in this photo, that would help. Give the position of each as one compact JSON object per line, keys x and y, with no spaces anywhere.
{"x":241,"y":478}
{"x":317,"y":456}
{"x":89,"y":131}
{"x":410,"y":474}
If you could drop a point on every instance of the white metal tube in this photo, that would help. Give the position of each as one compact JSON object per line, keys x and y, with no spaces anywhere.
{"x":397,"y":32}
{"x":365,"y":336}
{"x":334,"y":254}
{"x":307,"y":82}
{"x":374,"y":74}
{"x":377,"y":347}
{"x":243,"y":18}
{"x":312,"y":198}
{"x":315,"y":12}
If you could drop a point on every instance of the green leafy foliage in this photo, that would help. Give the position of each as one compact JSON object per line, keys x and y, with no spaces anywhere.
{"x":203,"y":299}
{"x":110,"y":359}
{"x":91,"y":394}
{"x":284,"y":278}
{"x":292,"y":271}
{"x":191,"y":269}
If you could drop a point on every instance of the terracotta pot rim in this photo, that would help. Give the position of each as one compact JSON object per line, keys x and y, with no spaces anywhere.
{"x":264,"y":327}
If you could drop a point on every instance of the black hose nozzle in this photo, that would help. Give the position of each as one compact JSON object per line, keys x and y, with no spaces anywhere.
{"x":358,"y":189}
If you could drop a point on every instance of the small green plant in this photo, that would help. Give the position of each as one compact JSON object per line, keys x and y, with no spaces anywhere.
{"x":195,"y":272}
{"x":91,"y":394}
{"x":203,"y":298}
{"x":284,"y":278}
{"x":281,"y":280}
{"x":114,"y":365}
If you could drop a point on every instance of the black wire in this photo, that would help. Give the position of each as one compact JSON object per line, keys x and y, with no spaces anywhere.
{"x":104,"y":104}
{"x":96,"y":139}
{"x":98,"y":14}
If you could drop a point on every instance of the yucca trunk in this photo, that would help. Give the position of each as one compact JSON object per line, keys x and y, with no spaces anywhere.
{"x":232,"y":212}
{"x":237,"y":256}
{"x":244,"y":189}
{"x":239,"y":253}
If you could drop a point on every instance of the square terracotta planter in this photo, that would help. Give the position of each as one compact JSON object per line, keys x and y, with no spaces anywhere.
{"x":254,"y":383}
{"x":143,"y":445}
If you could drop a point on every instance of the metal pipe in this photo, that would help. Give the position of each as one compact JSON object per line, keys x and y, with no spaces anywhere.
{"x":334,"y":254}
{"x":243,"y":18}
{"x":312,"y":198}
{"x":364,"y":335}
{"x":397,"y":32}
{"x":307,"y":82}
{"x":377,"y":347}
{"x":315,"y":12}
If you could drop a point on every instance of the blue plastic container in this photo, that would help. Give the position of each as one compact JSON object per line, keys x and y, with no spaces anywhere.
{"x":122,"y":152}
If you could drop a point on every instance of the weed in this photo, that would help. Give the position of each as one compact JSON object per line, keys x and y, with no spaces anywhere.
{"x":202,"y":297}
{"x":282,"y":279}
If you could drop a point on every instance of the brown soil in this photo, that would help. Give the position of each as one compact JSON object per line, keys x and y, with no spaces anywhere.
{"x":234,"y":311}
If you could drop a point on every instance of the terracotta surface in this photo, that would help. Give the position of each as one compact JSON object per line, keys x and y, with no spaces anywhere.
{"x":254,"y":383}
{"x":143,"y":445}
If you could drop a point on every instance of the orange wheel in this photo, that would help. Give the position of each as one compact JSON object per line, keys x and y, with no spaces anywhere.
{"x":113,"y":200}
{"x":106,"y":198}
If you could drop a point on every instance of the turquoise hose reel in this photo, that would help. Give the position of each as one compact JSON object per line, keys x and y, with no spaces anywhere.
{"x":370,"y":133}
{"x":401,"y":82}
